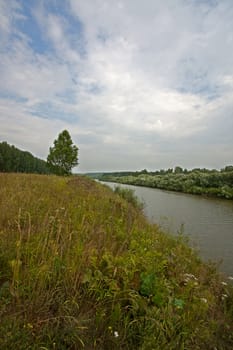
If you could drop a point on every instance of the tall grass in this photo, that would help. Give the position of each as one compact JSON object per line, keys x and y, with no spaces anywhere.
{"x":80,"y":268}
{"x":129,"y":195}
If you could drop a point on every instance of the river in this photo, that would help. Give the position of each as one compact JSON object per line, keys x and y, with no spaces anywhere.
{"x":207,"y":221}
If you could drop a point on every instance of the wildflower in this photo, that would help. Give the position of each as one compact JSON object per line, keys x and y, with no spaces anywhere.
{"x":189,"y":276}
{"x":224,"y":283}
{"x":116,"y":334}
{"x":224,"y":296}
{"x":204,"y":300}
{"x":230,"y":278}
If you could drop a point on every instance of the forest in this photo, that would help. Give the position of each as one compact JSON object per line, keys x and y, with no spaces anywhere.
{"x":217,"y":183}
{"x":15,"y":160}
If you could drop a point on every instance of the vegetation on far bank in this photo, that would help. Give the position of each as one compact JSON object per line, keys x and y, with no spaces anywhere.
{"x":197,"y":181}
{"x":81,"y":268}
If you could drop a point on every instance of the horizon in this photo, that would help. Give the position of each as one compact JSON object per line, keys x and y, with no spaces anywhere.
{"x":127,"y":170}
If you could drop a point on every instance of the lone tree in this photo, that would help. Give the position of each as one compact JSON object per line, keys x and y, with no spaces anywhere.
{"x":63,"y":156}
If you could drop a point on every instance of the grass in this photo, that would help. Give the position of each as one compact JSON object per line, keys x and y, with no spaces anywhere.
{"x":129,"y":196}
{"x":81,"y":268}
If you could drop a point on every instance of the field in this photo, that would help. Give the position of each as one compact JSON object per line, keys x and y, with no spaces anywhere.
{"x":81,"y":268}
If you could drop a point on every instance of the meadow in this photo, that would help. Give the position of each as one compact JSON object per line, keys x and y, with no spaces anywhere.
{"x":81,"y":268}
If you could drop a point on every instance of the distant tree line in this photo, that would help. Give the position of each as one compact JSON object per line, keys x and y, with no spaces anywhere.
{"x":15,"y":160}
{"x":175,"y":170}
{"x":196,"y":181}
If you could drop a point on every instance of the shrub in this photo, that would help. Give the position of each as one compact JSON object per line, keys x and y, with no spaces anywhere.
{"x":129,"y":195}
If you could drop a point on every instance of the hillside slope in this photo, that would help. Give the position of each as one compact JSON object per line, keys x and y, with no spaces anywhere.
{"x":81,"y":268}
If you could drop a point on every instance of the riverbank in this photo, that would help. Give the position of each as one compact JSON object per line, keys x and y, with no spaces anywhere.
{"x":206,"y":221}
{"x":212,"y":183}
{"x":81,"y":268}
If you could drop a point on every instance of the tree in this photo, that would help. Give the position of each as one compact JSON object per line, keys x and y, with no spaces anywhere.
{"x":13,"y":159}
{"x":178,"y":170}
{"x":63,"y":156}
{"x":228,"y":168}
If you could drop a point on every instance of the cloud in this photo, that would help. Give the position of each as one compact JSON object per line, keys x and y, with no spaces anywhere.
{"x":128,"y":79}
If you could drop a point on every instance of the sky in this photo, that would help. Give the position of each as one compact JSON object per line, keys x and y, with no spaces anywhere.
{"x":138,"y":84}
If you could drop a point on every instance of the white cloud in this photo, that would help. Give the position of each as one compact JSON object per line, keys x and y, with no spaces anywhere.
{"x":9,"y":14}
{"x":125,"y":76}
{"x":19,"y":128}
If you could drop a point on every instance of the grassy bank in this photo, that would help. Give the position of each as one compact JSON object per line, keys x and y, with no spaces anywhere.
{"x":81,"y":268}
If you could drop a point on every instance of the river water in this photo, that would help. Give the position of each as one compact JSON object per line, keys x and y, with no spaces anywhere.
{"x":207,"y":221}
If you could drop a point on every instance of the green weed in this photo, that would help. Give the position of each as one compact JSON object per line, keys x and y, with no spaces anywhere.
{"x":81,"y":268}
{"x":130,"y":196}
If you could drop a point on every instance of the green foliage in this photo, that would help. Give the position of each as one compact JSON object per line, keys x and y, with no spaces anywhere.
{"x":14,"y":160}
{"x":81,"y":268}
{"x":178,"y":170}
{"x":148,"y":284}
{"x":129,"y":195}
{"x":198,"y":181}
{"x":153,"y":288}
{"x":63,"y":156}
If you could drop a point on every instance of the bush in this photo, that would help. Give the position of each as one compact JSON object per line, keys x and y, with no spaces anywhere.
{"x":130,"y":196}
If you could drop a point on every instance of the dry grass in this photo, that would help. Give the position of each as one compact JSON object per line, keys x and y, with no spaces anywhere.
{"x":80,"y":268}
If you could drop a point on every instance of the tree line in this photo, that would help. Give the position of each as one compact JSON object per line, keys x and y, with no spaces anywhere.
{"x":15,"y":160}
{"x":62,"y":157}
{"x":217,"y":183}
